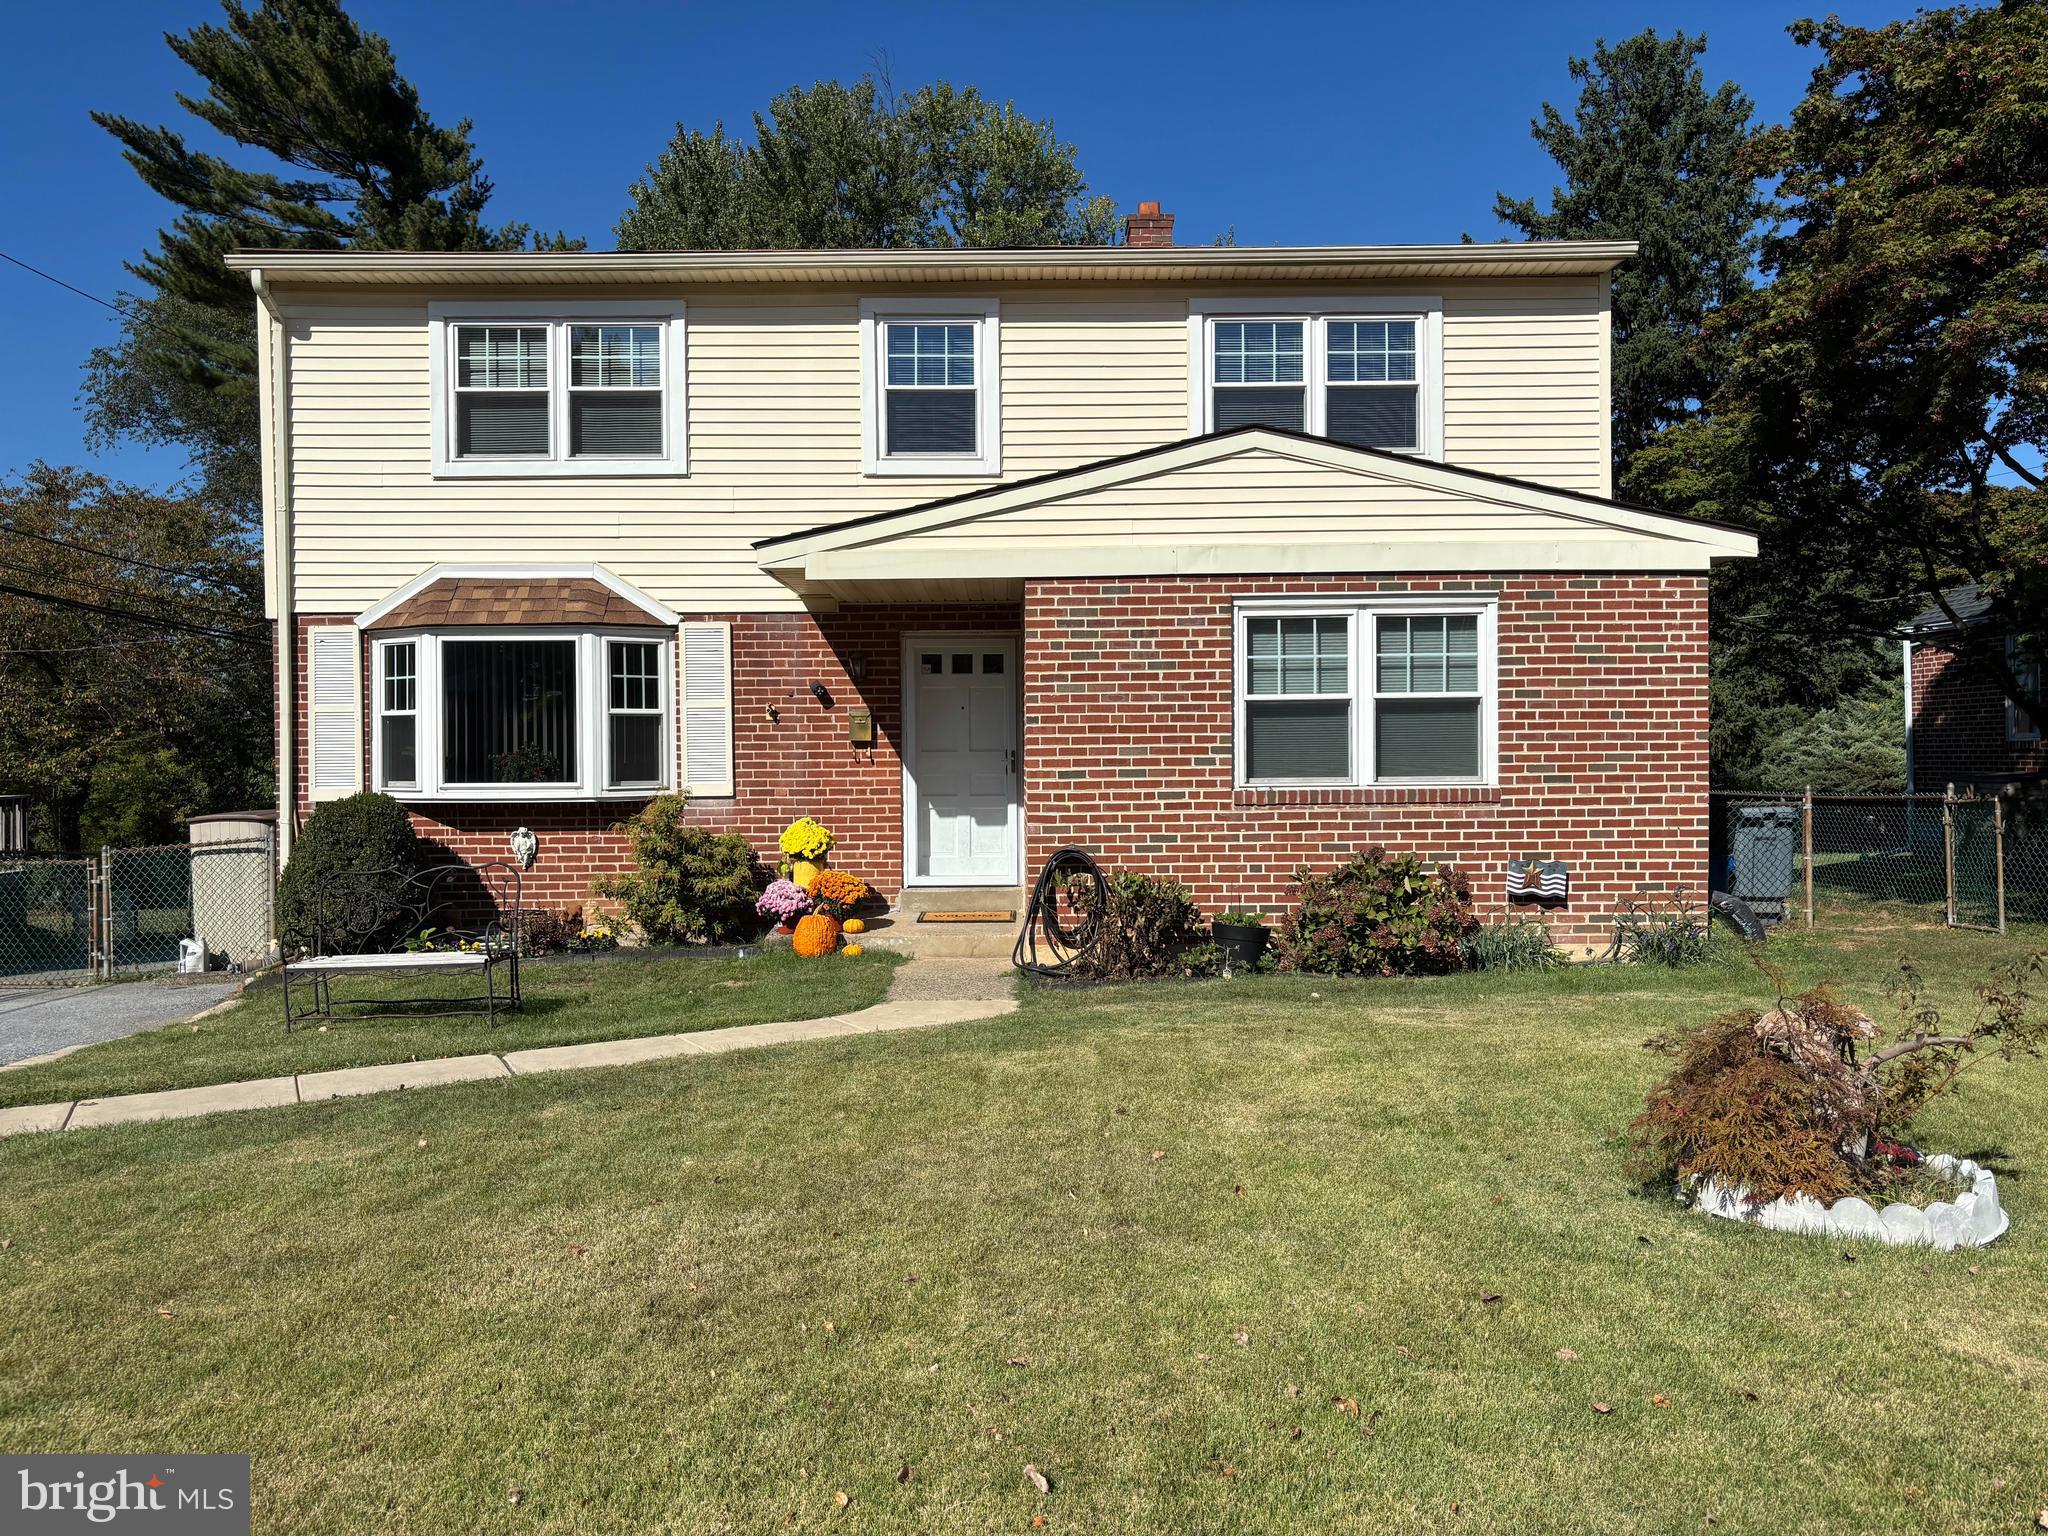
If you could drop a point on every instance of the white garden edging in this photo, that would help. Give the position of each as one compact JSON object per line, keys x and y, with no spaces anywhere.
{"x":1969,"y":1221}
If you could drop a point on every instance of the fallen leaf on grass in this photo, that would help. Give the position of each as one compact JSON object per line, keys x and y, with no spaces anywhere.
{"x":1751,"y":1397}
{"x":828,"y":1325}
{"x":165,"y":1313}
{"x":1238,"y":1190}
{"x":841,"y":1499}
{"x":1345,"y":1405}
{"x":1294,"y":1433}
{"x":1293,"y":1390}
{"x":1201,"y":1357}
{"x":1603,"y":1407}
{"x":1848,"y":1258}
{"x":1659,"y":1400}
{"x":903,"y":1476}
{"x":1230,"y":1471}
{"x":1036,"y":1478}
{"x":423,"y":1141}
{"x":517,"y":1497}
{"x":6,"y":1242}
{"x":1910,"y":1491}
{"x":578,"y":1249}
{"x":1489,"y":1297}
{"x":1038,"y":1522}
{"x":1243,"y":1338}
{"x":1567,"y":1355}
{"x":1017,"y":1360}
{"x":1404,"y":1351}
{"x":1161,"y":1152}
{"x":2041,"y":1519}
{"x":910,"y":1279}
{"x":1973,"y":1269}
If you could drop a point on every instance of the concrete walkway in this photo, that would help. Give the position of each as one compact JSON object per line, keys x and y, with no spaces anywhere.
{"x":960,"y":997}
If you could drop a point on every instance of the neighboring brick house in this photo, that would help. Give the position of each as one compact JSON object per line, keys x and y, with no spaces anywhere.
{"x":1214,"y":560}
{"x":1960,"y":727}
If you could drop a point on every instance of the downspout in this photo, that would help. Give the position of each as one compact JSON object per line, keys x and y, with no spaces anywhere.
{"x":273,"y":381}
{"x":1906,"y":663}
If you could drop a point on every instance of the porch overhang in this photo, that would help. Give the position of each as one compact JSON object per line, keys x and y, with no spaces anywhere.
{"x":1253,"y":501}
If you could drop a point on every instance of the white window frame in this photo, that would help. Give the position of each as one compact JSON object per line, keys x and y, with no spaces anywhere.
{"x":1362,"y":611}
{"x":2017,"y":726}
{"x":663,"y":708}
{"x":1316,"y":315}
{"x":593,"y":708}
{"x":984,"y":315}
{"x":559,"y":317}
{"x":379,"y":712}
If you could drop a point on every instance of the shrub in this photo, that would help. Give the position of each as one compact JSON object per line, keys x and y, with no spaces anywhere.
{"x":1149,"y":926}
{"x":816,"y":935}
{"x":807,"y":839}
{"x":690,"y":884}
{"x":1239,"y":917}
{"x":1672,"y":934}
{"x":838,"y":893}
{"x":1380,"y":914}
{"x":353,"y":836}
{"x":1519,"y":944}
{"x":542,"y":932}
{"x":1809,"y":1097}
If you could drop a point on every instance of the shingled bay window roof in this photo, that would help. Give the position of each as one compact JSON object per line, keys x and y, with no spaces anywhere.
{"x":453,"y":602}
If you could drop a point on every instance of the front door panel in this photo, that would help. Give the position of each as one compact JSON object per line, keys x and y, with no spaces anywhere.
{"x":963,"y":761}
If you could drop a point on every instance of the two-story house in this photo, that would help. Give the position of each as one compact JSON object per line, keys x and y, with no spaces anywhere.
{"x":1214,"y":561}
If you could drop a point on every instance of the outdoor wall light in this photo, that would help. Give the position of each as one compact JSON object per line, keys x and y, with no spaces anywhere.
{"x":857,"y":666}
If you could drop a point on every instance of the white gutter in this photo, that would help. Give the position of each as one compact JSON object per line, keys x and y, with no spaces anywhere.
{"x":1906,"y":664}
{"x":273,"y":380}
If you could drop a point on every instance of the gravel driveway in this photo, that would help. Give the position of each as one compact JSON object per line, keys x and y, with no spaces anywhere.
{"x":36,"y":1020}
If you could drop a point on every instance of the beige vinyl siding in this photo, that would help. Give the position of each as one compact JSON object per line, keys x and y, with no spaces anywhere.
{"x":1287,"y":497}
{"x":775,"y":429}
{"x":775,"y":443}
{"x":1525,"y":389}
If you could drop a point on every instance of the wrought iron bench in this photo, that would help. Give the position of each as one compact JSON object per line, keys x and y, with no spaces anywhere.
{"x":372,"y":922}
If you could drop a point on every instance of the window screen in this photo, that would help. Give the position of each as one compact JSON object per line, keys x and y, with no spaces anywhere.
{"x":1427,"y":711}
{"x":501,"y":391}
{"x":615,"y":391}
{"x":930,"y":404}
{"x":1371,"y":399}
{"x":1259,"y":377}
{"x":1298,"y":698}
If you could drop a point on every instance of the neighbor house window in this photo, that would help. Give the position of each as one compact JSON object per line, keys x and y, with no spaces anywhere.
{"x":592,"y":388}
{"x":1365,"y":692}
{"x":931,"y":394}
{"x":1370,"y":380}
{"x":473,"y":715}
{"x":2026,"y":670}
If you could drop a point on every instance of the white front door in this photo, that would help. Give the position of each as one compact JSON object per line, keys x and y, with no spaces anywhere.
{"x":960,"y":780}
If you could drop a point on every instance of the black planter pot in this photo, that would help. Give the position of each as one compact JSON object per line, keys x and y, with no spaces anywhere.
{"x":1241,"y":943}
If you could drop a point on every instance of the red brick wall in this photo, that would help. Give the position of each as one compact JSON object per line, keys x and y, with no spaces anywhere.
{"x":799,"y":765}
{"x":1959,"y":725}
{"x":1128,"y":722}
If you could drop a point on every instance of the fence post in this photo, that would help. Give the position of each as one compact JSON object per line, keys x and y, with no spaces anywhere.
{"x":1998,"y":847}
{"x":107,"y":912}
{"x":1948,"y":849}
{"x":1806,"y":825}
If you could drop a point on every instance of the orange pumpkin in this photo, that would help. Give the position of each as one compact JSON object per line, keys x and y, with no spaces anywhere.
{"x":816,"y":935}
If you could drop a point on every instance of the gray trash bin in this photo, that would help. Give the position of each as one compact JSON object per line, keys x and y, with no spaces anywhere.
{"x":1765,"y":852}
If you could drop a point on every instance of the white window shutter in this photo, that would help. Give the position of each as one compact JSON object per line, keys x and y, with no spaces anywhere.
{"x":707,"y":709}
{"x":335,"y":710}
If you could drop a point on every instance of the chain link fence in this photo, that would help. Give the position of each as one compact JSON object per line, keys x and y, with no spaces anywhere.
{"x":1975,"y":862}
{"x":134,"y":911}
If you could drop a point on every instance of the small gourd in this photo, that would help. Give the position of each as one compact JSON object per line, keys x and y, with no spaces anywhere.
{"x":853,"y":949}
{"x":853,"y":925}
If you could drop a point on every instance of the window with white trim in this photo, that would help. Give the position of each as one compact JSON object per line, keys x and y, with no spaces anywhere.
{"x":592,"y":388}
{"x":1364,"y":693}
{"x":931,"y":396}
{"x":521,"y":715}
{"x":2026,"y":670}
{"x":1370,"y":379}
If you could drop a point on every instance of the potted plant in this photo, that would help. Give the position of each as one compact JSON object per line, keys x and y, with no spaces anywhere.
{"x":783,"y":903}
{"x":1240,"y":935}
{"x":837,"y":894}
{"x":805,"y":843}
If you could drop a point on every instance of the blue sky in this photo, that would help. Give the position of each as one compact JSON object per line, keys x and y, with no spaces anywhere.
{"x":1293,"y":123}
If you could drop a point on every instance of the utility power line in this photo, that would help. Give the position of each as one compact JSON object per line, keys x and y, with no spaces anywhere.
{"x":239,"y":636}
{"x":107,"y":554}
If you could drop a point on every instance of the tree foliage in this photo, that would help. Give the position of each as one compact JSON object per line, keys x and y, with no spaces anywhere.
{"x":300,"y":83}
{"x":840,"y":166}
{"x":118,"y":723}
{"x":1855,"y":747}
{"x":1652,"y":155}
{"x":1885,"y":405}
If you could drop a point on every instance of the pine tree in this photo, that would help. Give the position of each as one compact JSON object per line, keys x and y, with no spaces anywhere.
{"x":299,"y":81}
{"x":1651,"y":155}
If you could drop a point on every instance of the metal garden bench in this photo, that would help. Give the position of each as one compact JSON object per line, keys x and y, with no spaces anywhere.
{"x":379,"y":922}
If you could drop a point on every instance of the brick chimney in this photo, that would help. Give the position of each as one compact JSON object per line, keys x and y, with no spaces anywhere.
{"x":1148,"y":226}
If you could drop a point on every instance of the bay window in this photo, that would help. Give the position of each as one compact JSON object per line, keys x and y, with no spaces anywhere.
{"x":1367,"y":691}
{"x":1367,"y":373}
{"x":538,"y":715}
{"x":586,"y":387}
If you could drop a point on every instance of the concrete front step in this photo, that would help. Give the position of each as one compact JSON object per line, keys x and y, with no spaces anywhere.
{"x":901,"y":930}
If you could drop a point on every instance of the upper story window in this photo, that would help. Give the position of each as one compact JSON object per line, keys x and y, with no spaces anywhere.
{"x":591,"y":388}
{"x":930,"y":392}
{"x":1366,"y":691}
{"x":1368,"y":373}
{"x":2026,"y":669}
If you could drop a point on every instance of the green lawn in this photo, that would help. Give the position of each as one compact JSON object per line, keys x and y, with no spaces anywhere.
{"x":605,"y":998}
{"x":707,"y":1296}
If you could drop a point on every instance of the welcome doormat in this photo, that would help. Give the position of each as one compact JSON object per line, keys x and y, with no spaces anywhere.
{"x":967,"y":917}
